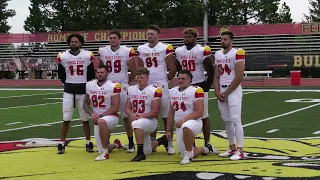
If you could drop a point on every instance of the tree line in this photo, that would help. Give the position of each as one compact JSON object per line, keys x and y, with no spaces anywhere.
{"x":83,"y":15}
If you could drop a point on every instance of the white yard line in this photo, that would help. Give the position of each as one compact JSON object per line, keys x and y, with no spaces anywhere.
{"x":280,"y":115}
{"x":317,"y":132}
{"x":36,"y":125}
{"x":244,"y":89}
{"x":16,"y":107}
{"x":242,"y":93}
{"x":13,"y":123}
{"x":28,"y":95}
{"x":272,"y":131}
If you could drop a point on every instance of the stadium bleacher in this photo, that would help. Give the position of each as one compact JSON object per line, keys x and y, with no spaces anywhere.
{"x":263,"y":51}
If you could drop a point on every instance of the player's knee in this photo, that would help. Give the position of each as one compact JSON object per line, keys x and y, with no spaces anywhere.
{"x":102,"y":122}
{"x":235,"y":118}
{"x":67,"y":116}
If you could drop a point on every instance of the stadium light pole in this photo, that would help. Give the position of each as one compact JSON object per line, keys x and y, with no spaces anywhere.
{"x":205,"y":22}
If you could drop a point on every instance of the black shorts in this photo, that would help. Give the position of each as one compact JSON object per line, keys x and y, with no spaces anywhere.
{"x":75,"y":88}
{"x":204,"y":85}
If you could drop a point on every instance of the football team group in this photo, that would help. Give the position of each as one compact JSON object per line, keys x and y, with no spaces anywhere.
{"x":144,"y":95}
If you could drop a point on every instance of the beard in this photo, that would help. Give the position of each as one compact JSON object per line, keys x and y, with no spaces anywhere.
{"x":74,"y":48}
{"x":102,"y":79}
{"x":225,"y":46}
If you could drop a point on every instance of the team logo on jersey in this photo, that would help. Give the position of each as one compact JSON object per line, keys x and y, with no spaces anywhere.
{"x":124,"y":88}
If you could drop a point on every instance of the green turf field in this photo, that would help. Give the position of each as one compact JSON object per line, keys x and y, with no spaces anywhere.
{"x":282,"y":141}
{"x":38,"y":114}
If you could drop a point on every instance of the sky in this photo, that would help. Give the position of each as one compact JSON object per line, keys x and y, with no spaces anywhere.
{"x":22,"y":12}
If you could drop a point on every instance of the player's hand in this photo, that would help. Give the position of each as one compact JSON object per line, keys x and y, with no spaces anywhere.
{"x":220,"y":97}
{"x":179,"y":123}
{"x":134,"y":117}
{"x":169,"y":135}
{"x":95,"y":118}
{"x":224,"y":95}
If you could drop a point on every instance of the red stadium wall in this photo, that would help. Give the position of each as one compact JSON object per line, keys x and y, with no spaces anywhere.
{"x":171,"y":33}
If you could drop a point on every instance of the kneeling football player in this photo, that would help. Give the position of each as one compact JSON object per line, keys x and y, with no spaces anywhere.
{"x":104,"y":95}
{"x":143,"y":107}
{"x":186,"y":109}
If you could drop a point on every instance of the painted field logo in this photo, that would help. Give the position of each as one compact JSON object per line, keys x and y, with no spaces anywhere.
{"x":265,"y":159}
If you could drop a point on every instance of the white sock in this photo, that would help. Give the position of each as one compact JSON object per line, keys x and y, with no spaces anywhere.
{"x":230,"y":131}
{"x":105,"y":150}
{"x":239,"y":133}
{"x":170,"y":143}
{"x":88,"y":141}
{"x":97,"y":137}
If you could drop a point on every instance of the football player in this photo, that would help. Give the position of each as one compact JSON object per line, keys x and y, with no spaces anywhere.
{"x":158,"y":58}
{"x":75,"y":68}
{"x":196,"y":58}
{"x":143,"y":107}
{"x":230,"y":66}
{"x":104,"y":95}
{"x":119,"y":59}
{"x":186,"y":110}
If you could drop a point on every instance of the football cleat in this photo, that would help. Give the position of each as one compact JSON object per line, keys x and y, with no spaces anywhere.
{"x":228,"y":153}
{"x":237,"y":155}
{"x":212,"y":150}
{"x":139,"y":157}
{"x":118,"y":142}
{"x":186,"y":159}
{"x":89,"y":147}
{"x":61,"y":148}
{"x":170,"y":150}
{"x":131,"y":148}
{"x":102,"y":156}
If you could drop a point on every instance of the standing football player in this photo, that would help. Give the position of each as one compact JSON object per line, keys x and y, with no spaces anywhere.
{"x":186,"y":110}
{"x":158,"y":58}
{"x":196,"y":58}
{"x":75,"y":68}
{"x":143,"y":107}
{"x":230,"y":66}
{"x":104,"y":95}
{"x":119,"y":59}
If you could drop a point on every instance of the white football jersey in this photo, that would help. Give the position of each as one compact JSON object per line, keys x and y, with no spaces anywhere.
{"x":192,"y":60}
{"x":183,"y":101}
{"x":117,"y":62}
{"x":155,"y":60}
{"x":101,"y":96}
{"x":141,"y":100}
{"x":226,"y":64}
{"x":75,"y":66}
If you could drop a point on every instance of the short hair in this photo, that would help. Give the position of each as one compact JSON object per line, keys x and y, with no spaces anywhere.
{"x":142,"y":71}
{"x":154,"y":27}
{"x":230,"y":34}
{"x":188,"y":73}
{"x":116,"y":32}
{"x":78,"y":36}
{"x":102,"y":66}
{"x":192,"y":31}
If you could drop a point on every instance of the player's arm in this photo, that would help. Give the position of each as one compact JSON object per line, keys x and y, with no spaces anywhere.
{"x":61,"y":70}
{"x":115,"y":101}
{"x":208,"y":65}
{"x":177,"y":63}
{"x":139,"y":59}
{"x":216,"y":78}
{"x":198,"y":106}
{"x":170,"y":118}
{"x":239,"y":71}
{"x":129,"y":111}
{"x":171,"y":65}
{"x":155,"y":106}
{"x":100,"y":58}
{"x":86,"y":104}
{"x":90,"y":68}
